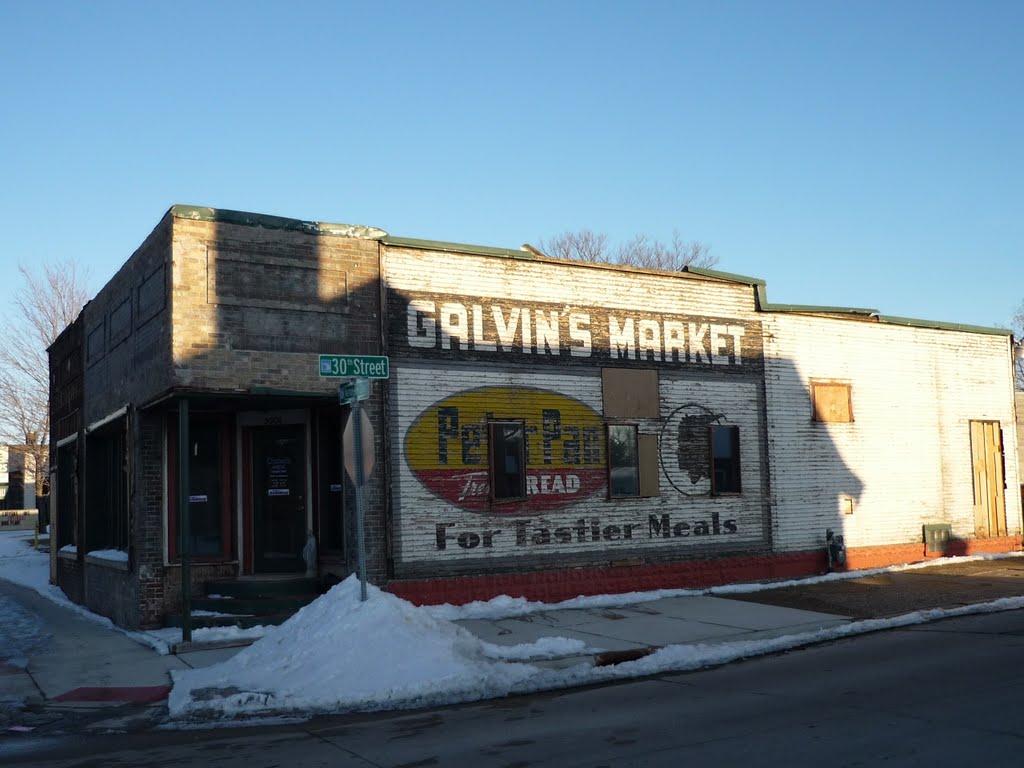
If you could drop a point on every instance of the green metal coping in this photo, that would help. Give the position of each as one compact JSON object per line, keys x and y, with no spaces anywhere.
{"x":863,"y":312}
{"x":942,"y":326}
{"x":266,"y":221}
{"x":728,"y":276}
{"x":440,"y":245}
{"x":766,"y":306}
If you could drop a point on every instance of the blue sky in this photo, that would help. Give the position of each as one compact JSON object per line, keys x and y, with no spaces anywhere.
{"x":849,"y":153}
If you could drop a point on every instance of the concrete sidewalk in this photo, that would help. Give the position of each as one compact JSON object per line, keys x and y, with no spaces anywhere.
{"x":53,"y":659}
{"x":612,"y":633}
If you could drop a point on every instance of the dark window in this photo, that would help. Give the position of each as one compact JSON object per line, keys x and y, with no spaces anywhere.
{"x":67,"y":493}
{"x":508,"y":460}
{"x":331,"y":481}
{"x":209,"y":456}
{"x":623,"y":461}
{"x":205,"y":529}
{"x":106,"y":488}
{"x":725,"y":460}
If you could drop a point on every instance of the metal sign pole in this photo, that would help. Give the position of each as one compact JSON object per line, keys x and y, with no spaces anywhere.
{"x":183,"y":521}
{"x":357,"y":435}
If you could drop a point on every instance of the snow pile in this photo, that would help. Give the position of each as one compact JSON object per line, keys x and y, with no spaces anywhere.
{"x":341,"y":653}
{"x":21,"y":564}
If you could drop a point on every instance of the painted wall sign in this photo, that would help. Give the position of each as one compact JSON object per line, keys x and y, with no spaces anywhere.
{"x":446,"y":448}
{"x":482,"y":328}
{"x":586,"y":531}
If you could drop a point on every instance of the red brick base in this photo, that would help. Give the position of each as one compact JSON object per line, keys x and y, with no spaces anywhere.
{"x":557,"y":585}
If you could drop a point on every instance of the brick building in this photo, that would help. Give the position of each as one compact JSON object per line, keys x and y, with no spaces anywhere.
{"x":549,"y":428}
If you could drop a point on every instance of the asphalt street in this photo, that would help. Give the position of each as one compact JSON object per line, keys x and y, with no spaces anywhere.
{"x":946,"y":693}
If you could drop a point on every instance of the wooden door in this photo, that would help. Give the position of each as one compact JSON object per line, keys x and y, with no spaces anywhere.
{"x":987,"y":460}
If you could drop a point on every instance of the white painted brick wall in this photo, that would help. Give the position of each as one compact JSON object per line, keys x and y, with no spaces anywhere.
{"x":528,"y":281}
{"x":906,"y":458}
{"x":416,"y":386}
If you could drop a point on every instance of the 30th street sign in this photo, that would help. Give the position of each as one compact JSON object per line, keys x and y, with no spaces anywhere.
{"x":357,"y":366}
{"x":357,"y":442}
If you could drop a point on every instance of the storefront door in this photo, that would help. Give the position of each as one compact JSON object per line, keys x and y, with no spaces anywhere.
{"x":278,"y":472}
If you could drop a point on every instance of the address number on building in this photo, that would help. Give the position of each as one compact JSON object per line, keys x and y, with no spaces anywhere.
{"x":365,"y":366}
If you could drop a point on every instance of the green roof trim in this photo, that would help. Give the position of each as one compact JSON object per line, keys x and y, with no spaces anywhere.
{"x":728,"y":276}
{"x":873,"y":314}
{"x":944,"y":326}
{"x":266,"y":221}
{"x":439,"y":245}
{"x":766,"y":306}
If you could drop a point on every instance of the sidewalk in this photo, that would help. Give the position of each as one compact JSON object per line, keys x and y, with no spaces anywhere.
{"x":54,"y":661}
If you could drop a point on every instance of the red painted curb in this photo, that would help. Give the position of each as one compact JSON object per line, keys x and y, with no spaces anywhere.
{"x":134,"y":694}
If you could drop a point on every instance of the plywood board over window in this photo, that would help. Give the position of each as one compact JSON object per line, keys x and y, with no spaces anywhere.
{"x":630,"y":393}
{"x":648,"y":450}
{"x":831,"y":401}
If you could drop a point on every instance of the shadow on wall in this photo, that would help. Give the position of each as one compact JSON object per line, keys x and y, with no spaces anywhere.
{"x":815,"y":490}
{"x":262,"y":304}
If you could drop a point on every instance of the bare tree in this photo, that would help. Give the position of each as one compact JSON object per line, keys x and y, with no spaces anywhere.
{"x":640,"y":251}
{"x":48,"y":301}
{"x":579,"y":246}
{"x":1018,"y":359}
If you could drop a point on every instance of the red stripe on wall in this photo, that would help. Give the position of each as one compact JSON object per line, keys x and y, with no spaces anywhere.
{"x":556,"y":585}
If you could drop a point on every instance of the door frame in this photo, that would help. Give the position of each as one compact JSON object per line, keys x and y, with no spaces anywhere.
{"x":254,"y":420}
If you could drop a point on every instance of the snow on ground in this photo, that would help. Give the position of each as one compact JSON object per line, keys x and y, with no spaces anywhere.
{"x":341,"y":654}
{"x":21,"y":564}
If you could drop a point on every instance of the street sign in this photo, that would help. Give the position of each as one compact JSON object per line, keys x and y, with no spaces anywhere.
{"x":364,"y":366}
{"x":353,"y":390}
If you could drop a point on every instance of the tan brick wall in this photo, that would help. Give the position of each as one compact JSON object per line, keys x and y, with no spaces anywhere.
{"x":126,"y":333}
{"x":254,"y":307}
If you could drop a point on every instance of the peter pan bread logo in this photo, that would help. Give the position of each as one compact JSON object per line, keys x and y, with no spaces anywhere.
{"x":446,"y":448}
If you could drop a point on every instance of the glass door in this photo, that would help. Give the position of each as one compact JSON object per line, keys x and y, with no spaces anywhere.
{"x":279,"y":498}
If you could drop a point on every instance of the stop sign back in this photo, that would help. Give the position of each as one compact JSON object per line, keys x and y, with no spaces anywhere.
{"x":348,"y":447}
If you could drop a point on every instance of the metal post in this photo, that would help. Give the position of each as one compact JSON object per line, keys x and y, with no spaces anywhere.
{"x":357,"y":439}
{"x":183,"y":514}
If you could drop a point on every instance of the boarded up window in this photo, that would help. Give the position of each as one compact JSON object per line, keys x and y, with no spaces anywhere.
{"x":831,"y":401}
{"x":649,"y":465}
{"x":630,"y":393}
{"x":120,"y":323}
{"x":152,"y":295}
{"x":94,"y":343}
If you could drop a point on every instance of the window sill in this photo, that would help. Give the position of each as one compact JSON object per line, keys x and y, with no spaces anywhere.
{"x":117,"y":565}
{"x":176,"y":562}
